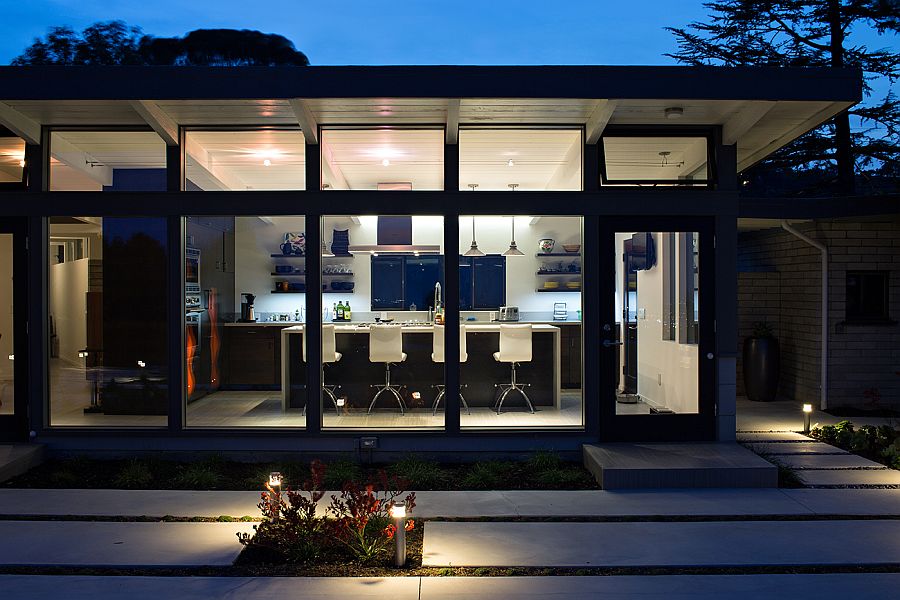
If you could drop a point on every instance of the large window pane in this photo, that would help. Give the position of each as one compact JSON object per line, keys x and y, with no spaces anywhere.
{"x":386,"y":271}
{"x":534,"y":159}
{"x":382,"y":159}
{"x":522,"y":316}
{"x":252,"y":159}
{"x":245,"y":303}
{"x":657,"y":290}
{"x":12,"y":158}
{"x":107,"y":322}
{"x":115,"y":161}
{"x":658,"y":160}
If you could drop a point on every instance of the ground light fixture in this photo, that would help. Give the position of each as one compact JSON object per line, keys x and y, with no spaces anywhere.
{"x":807,"y":410}
{"x":275,"y":481}
{"x":398,"y":517}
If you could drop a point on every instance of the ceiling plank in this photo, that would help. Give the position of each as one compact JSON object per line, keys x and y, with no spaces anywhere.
{"x":157,"y":118}
{"x":452,"y":121}
{"x":788,"y":136}
{"x":22,"y":126}
{"x":332,"y":171}
{"x":743,"y":120}
{"x":306,"y":120}
{"x":71,"y":155}
{"x":596,"y":123}
{"x":203,"y":161}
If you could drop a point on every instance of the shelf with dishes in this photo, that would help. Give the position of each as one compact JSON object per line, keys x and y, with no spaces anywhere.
{"x":559,"y":273}
{"x":562,"y":289}
{"x":303,"y":274}
{"x":304,"y":256}
{"x":304,"y":291}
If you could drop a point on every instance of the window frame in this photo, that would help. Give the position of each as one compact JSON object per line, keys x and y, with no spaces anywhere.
{"x":659,"y":132}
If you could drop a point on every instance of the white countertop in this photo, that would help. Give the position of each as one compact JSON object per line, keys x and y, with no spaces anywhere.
{"x":351,"y":325}
{"x":423,"y":328}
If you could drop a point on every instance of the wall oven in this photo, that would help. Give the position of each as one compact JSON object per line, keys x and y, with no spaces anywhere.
{"x":192,"y":278}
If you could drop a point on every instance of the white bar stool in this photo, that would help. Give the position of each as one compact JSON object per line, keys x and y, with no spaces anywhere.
{"x":386,"y":346}
{"x":515,"y":347}
{"x":329,"y":355}
{"x":437,"y":355}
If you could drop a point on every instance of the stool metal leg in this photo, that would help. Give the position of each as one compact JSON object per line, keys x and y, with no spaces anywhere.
{"x":387,"y":387}
{"x":513,"y":386}
{"x":440,"y":396}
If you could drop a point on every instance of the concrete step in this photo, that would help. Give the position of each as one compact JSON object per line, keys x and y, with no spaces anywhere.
{"x":678,"y":465}
{"x":16,"y":459}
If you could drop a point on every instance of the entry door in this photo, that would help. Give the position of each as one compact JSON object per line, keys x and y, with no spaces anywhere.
{"x":657,"y":329}
{"x":13,"y":364}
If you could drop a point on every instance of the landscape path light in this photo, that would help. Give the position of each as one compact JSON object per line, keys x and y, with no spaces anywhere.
{"x":275,"y":481}
{"x":807,"y":409}
{"x":398,"y":517}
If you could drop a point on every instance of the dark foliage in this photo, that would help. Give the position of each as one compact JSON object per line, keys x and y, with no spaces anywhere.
{"x":116,"y":43}
{"x":834,"y":158}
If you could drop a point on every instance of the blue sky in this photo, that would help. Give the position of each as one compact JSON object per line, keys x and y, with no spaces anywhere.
{"x":400,"y":32}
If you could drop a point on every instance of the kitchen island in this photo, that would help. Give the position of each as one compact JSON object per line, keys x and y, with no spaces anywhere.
{"x":355,"y":374}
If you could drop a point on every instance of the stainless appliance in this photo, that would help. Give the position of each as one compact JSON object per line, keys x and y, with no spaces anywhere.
{"x":192,"y":298}
{"x":248,"y":313}
{"x":509,"y":313}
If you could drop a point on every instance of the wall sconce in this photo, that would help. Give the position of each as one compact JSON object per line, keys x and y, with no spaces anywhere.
{"x":807,"y":409}
{"x":398,"y":516}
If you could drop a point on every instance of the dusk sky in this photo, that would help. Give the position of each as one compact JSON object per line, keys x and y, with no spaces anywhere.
{"x":411,"y":32}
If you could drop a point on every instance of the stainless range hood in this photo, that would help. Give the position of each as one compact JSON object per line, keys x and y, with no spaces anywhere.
{"x":394,"y":236}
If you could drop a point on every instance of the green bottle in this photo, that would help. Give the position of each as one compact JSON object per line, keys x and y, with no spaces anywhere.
{"x":347,"y":314}
{"x":340,"y":311}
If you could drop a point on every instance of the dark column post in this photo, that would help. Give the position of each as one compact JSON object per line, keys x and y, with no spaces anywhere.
{"x":591,"y":323}
{"x":313,"y":327}
{"x":175,"y":321}
{"x":36,"y":315}
{"x":175,"y":166}
{"x":591,"y":166}
{"x":451,"y":294}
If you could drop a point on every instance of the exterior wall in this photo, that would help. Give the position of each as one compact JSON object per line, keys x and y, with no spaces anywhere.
{"x":779,"y":282}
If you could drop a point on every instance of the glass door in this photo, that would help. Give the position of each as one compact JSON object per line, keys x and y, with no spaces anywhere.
{"x":12,"y":371}
{"x":657,"y":333}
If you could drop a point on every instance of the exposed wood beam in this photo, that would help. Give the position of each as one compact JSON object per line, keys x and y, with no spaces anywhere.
{"x":596,"y":123}
{"x":567,"y":169}
{"x":218,"y":178}
{"x":332,"y":171}
{"x":74,"y":157}
{"x":306,"y":120}
{"x":740,"y":123}
{"x":452,"y":121}
{"x":24,"y":127}
{"x":788,"y":136}
{"x":157,"y":118}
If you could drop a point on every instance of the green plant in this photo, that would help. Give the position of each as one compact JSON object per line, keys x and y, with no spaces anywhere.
{"x":485,"y":475}
{"x":341,"y":471}
{"x":421,"y":474}
{"x":198,"y":476}
{"x":134,"y":475}
{"x":544,"y":460}
{"x":481,"y":572}
{"x":561,"y":478}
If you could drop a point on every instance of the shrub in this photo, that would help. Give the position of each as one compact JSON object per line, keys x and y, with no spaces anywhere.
{"x":544,"y":460}
{"x":340,"y":472}
{"x":198,"y":476}
{"x":485,"y":475}
{"x":135,"y":474}
{"x":420,"y":474}
{"x":562,"y":478}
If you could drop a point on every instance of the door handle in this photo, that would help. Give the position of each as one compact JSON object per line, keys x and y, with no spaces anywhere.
{"x":610,"y":343}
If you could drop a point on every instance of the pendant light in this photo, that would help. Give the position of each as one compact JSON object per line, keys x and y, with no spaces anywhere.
{"x":473,"y":250}
{"x":513,"y":249}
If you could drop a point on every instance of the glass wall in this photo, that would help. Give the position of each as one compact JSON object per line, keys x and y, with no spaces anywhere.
{"x":383,"y":322}
{"x":655,"y":160}
{"x":657,"y":298}
{"x":520,"y":303}
{"x":115,"y":161}
{"x":245,"y":298}
{"x":7,"y":348}
{"x":239,"y":160}
{"x":12,"y":158}
{"x":533,"y":159}
{"x":107,"y":322}
{"x":382,"y":159}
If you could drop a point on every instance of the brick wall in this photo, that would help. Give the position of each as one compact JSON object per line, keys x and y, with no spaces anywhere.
{"x":779,"y":281}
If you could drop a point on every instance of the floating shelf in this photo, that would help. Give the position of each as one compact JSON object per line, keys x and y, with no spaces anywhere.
{"x":571,"y":291}
{"x":558,"y":273}
{"x":304,"y":274}
{"x":304,"y":291}
{"x":559,"y":254}
{"x":304,"y":256}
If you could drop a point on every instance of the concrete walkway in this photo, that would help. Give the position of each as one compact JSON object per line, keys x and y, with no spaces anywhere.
{"x":678,"y":544}
{"x":584,"y":503}
{"x":787,"y":415}
{"x":681,"y":587}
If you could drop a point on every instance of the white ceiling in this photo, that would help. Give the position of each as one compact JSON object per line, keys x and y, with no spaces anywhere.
{"x":639,"y":158}
{"x":12,"y":152}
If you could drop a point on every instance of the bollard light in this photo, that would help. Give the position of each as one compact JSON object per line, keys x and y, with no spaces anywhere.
{"x":275,"y":479}
{"x":82,"y":354}
{"x":807,"y":410}
{"x":398,"y":516}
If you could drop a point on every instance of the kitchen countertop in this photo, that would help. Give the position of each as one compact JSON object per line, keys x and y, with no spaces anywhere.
{"x":423,"y":328}
{"x":354,"y":324}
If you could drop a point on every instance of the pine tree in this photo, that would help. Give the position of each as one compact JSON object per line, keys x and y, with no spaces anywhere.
{"x":813,"y":33}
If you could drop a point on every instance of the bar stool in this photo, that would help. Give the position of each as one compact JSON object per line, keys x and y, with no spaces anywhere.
{"x":329,"y":355}
{"x":515,"y":347}
{"x":386,"y":346}
{"x":437,"y":355}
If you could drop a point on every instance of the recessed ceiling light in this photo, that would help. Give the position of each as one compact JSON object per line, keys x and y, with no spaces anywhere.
{"x":22,"y":162}
{"x":267,"y":163}
{"x":674,"y":112}
{"x":510,"y":163}
{"x":385,"y":162}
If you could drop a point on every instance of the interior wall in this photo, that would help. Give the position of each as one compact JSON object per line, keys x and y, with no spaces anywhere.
{"x":68,"y":307}
{"x":667,"y":370}
{"x":6,"y":305}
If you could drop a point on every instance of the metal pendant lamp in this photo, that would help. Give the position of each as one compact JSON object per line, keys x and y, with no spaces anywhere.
{"x":513,"y":249}
{"x":473,"y":250}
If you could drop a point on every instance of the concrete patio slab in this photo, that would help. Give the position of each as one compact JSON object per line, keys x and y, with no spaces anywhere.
{"x":795,"y":448}
{"x":677,"y":465}
{"x":849,"y":476}
{"x":848,"y":501}
{"x":191,"y":588}
{"x":648,"y":544}
{"x":119,"y":544}
{"x":827,"y":461}
{"x":771,"y":436}
{"x":733,"y":587}
{"x":787,"y":415}
{"x":859,"y":586}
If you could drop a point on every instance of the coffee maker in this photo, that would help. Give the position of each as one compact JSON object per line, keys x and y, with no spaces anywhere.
{"x":248,"y":315}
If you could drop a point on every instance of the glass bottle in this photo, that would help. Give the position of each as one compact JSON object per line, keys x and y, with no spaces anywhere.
{"x":348,"y":315}
{"x":334,"y":312}
{"x":340,"y":311}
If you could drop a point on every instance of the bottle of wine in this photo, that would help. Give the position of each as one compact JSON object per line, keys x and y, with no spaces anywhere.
{"x":334,"y":314}
{"x":348,"y":315}
{"x":340,"y":311}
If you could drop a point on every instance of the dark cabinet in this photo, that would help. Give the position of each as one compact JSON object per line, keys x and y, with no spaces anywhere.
{"x":387,"y":283}
{"x":570,"y":356}
{"x":482,"y":282}
{"x":253,"y":357}
{"x":398,"y":282}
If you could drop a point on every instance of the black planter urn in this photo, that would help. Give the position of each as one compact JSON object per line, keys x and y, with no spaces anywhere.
{"x":762,"y":361}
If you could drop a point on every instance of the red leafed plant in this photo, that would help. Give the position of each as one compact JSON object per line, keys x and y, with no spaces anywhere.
{"x":362,"y":521}
{"x":290,"y":526}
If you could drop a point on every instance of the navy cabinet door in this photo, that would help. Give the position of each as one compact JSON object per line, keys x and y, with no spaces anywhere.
{"x":387,"y":283}
{"x":466,"y":280}
{"x":421,"y":273}
{"x":489,"y":282}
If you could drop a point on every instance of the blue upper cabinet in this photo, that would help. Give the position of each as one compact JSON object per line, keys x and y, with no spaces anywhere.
{"x":387,"y":283}
{"x":421,"y":272}
{"x":488,"y":282}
